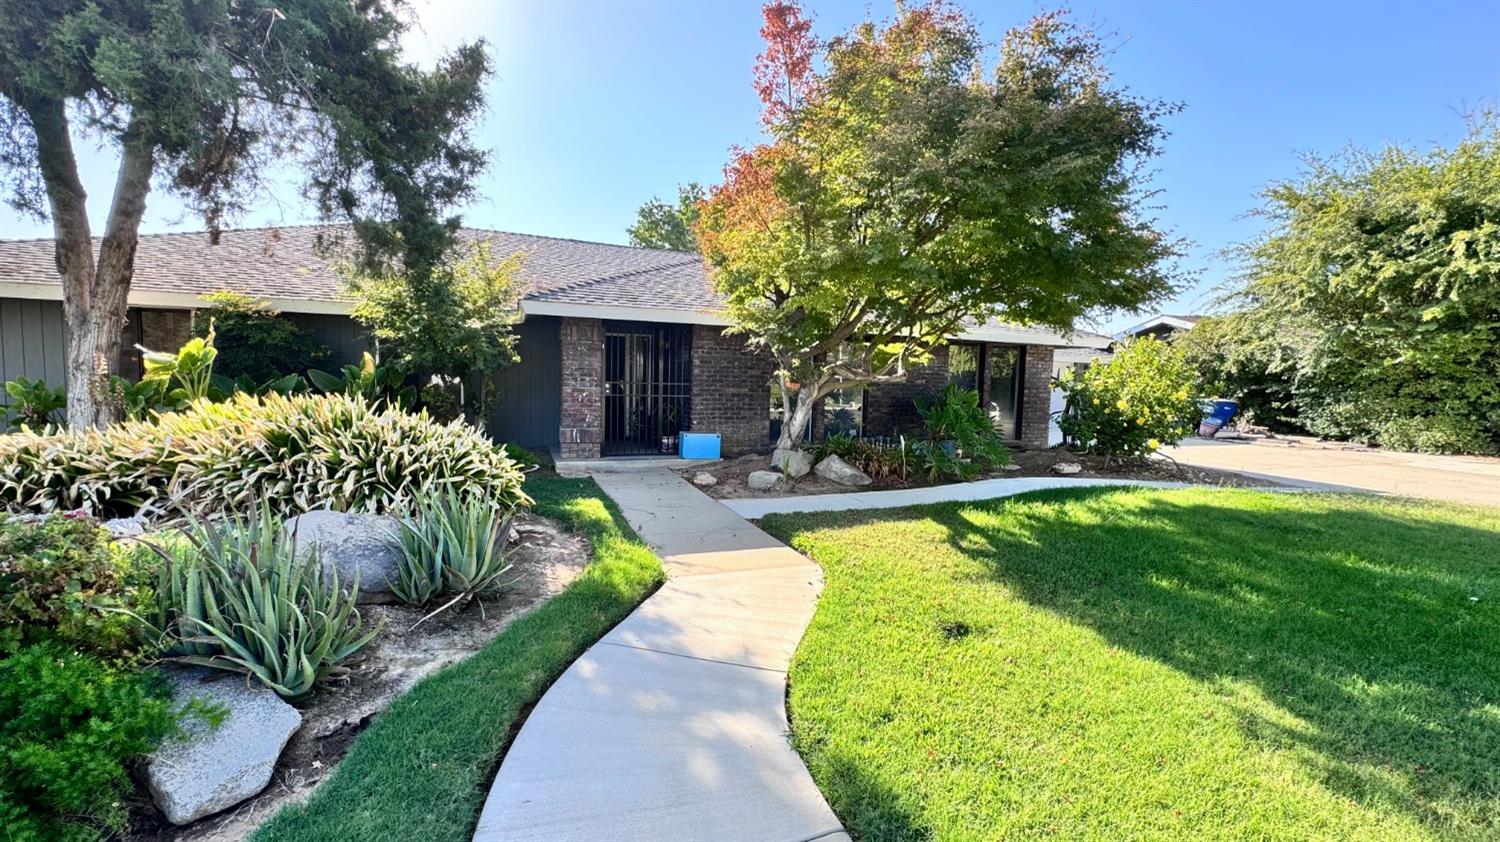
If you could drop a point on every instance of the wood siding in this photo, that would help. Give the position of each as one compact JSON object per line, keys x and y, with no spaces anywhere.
{"x":527,"y":396}
{"x":31,"y":342}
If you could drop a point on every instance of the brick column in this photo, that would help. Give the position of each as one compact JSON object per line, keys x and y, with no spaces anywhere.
{"x":582,"y":429}
{"x":1036,"y":395}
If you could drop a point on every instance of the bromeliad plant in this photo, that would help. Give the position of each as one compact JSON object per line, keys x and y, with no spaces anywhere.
{"x":33,"y":403}
{"x":238,"y":595}
{"x":454,"y":546}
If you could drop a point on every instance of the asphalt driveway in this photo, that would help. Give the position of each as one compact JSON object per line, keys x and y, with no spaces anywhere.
{"x":1303,"y":462}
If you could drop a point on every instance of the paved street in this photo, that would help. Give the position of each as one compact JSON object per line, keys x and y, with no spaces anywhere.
{"x":1463,"y":479}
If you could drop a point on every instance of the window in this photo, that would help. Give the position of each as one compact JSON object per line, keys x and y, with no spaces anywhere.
{"x":963,"y":366}
{"x":1003,"y":395}
{"x":844,"y":412}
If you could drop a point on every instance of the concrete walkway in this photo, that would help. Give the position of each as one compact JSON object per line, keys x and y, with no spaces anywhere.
{"x":758,"y":507}
{"x":673,"y":727}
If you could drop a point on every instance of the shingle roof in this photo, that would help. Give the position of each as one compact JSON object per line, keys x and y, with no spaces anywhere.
{"x":297,"y":262}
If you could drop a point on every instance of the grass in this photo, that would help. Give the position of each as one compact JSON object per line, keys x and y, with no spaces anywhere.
{"x":1138,"y":664}
{"x":422,"y":769}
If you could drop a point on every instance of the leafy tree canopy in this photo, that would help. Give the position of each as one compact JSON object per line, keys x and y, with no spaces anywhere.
{"x":907,"y":189}
{"x":202,"y":98}
{"x":661,"y":225}
{"x":455,"y":323}
{"x":255,"y":341}
{"x":1371,"y":306}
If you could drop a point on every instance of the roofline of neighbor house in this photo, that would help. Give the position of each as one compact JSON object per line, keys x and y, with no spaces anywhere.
{"x":152,"y":299}
{"x":1163,"y":319}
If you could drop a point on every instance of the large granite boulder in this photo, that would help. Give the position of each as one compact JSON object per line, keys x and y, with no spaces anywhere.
{"x":210,"y":769}
{"x":1067,"y":468}
{"x":763,"y":480}
{"x":837,"y":470}
{"x":704,"y":479}
{"x":793,"y":463}
{"x":366,"y":546}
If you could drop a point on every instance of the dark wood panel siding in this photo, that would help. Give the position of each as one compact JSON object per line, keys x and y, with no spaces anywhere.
{"x":31,"y":341}
{"x":347,"y":338}
{"x":527,"y":396}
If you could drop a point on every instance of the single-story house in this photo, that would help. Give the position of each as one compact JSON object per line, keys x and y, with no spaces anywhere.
{"x":619,"y":347}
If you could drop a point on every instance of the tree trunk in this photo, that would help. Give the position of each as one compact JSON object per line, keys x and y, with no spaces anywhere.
{"x":795,"y":415}
{"x":95,"y":294}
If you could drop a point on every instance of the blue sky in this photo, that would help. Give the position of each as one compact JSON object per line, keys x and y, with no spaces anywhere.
{"x":597,"y":106}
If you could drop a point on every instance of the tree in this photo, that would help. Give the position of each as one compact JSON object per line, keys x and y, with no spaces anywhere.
{"x":255,"y":341}
{"x":1374,"y":295}
{"x":905,"y":191}
{"x":205,"y":98}
{"x":455,"y":323}
{"x":659,"y":225}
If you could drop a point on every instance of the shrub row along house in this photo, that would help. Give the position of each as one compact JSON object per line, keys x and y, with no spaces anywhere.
{"x":620,"y":348}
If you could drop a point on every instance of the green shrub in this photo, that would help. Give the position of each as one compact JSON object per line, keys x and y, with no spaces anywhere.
{"x":1432,"y":434}
{"x":62,"y":579}
{"x":881,"y":464}
{"x":525,"y":458}
{"x":256,"y":342}
{"x":291,"y":453}
{"x":238,"y":596}
{"x":33,"y":403}
{"x":454,"y":546}
{"x":68,"y":725}
{"x":1133,"y":404}
{"x":960,"y":439}
{"x":367,"y":380}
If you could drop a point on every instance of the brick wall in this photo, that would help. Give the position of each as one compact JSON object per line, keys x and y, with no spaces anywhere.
{"x":581,"y":429}
{"x":731,"y":390}
{"x":890,"y":407}
{"x":166,"y":330}
{"x":1036,"y":395}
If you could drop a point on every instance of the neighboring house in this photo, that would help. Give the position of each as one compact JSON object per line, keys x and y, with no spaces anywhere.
{"x":620,"y":347}
{"x":1160,"y":326}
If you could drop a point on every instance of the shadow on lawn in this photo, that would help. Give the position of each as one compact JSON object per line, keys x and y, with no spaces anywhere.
{"x":1358,"y":622}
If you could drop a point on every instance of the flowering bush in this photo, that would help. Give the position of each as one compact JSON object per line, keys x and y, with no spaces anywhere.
{"x":1133,"y":404}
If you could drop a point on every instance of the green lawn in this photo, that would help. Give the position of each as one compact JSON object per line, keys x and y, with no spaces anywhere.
{"x":1154,"y":664}
{"x":422,"y":769}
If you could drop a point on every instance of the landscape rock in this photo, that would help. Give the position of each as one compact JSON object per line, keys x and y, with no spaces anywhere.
{"x":763,"y":480}
{"x":794,"y":463}
{"x":1066,"y":468}
{"x":211,"y":769}
{"x":837,"y":470}
{"x":367,"y":546}
{"x":704,"y":479}
{"x":1010,"y":467}
{"x":125,"y":527}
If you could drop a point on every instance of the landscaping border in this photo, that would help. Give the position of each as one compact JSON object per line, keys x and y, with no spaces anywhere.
{"x":423,"y":768}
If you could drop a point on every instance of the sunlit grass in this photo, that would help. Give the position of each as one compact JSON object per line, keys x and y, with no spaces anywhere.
{"x":1155,"y":664}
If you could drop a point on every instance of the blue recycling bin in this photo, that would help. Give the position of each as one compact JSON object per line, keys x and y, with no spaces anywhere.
{"x":698,"y":445}
{"x":1216,"y":414}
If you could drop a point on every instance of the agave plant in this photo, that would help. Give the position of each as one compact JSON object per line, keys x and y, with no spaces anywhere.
{"x":453,"y":546}
{"x":237,"y":595}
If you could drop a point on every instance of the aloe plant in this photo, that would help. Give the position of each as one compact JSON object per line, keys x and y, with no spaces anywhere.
{"x":453,"y":546}
{"x":238,"y":595}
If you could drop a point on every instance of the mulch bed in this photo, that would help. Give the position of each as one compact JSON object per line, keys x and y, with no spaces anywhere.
{"x":732,"y":474}
{"x":546,"y":559}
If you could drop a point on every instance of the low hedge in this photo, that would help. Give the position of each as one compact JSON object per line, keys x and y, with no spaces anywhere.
{"x":290,"y":453}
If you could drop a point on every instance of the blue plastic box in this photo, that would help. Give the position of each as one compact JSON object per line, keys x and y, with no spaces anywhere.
{"x":698,"y":445}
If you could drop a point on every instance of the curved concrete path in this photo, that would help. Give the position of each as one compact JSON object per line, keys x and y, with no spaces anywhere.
{"x":673,"y":728}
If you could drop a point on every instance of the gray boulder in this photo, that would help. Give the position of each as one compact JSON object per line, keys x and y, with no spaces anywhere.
{"x":763,"y":480}
{"x":367,"y":546}
{"x":704,"y":479}
{"x":125,"y":527}
{"x":793,"y":463}
{"x":211,"y":769}
{"x":837,"y":470}
{"x":1066,"y":468}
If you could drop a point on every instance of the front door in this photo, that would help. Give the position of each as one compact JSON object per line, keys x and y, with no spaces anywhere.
{"x":647,"y":387}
